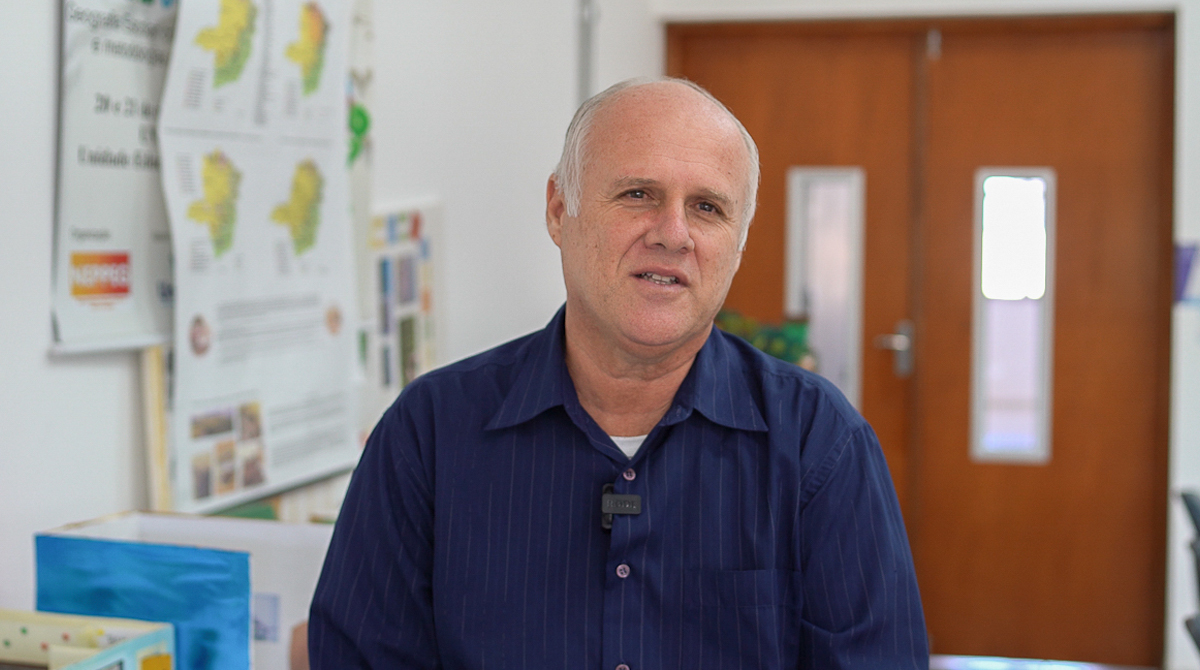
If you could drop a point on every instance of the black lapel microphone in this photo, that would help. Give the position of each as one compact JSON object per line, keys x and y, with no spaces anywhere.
{"x":617,"y":503}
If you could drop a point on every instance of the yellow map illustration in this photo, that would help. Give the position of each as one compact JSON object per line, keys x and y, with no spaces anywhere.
{"x":218,"y":209}
{"x":309,"y":50}
{"x":302,"y":213}
{"x":230,"y":40}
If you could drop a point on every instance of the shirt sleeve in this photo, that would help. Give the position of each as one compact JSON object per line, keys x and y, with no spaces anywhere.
{"x":861,"y":606}
{"x":373,"y":604}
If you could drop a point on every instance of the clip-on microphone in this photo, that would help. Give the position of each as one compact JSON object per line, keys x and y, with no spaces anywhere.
{"x":617,"y":503}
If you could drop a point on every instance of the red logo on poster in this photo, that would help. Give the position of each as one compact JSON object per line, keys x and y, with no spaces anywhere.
{"x":100,"y":275}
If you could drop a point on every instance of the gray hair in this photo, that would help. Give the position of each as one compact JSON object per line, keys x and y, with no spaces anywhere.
{"x":568,"y":175}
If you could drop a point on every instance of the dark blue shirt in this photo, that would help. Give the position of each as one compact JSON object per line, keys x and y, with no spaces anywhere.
{"x":471,"y":537}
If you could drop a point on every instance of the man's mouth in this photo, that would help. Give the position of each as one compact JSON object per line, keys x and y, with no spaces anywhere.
{"x":662,"y":280}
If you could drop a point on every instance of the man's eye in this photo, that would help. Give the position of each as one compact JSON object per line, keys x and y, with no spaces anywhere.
{"x":709,"y":207}
{"x":636,"y":193}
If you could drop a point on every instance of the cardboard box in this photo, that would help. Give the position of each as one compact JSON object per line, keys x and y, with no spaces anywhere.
{"x":61,"y":642}
{"x":235,"y":589}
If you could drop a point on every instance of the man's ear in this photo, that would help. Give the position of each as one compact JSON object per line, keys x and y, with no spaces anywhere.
{"x":556,"y":208}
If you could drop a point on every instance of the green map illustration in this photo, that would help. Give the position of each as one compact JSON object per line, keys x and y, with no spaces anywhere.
{"x":308,"y":51}
{"x":230,"y":40}
{"x":301,"y":215}
{"x":218,"y":208}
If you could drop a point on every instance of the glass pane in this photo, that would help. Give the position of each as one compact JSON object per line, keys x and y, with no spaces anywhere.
{"x":1014,"y":238}
{"x":1014,"y":227}
{"x":824,"y":268}
{"x":1011,"y":380}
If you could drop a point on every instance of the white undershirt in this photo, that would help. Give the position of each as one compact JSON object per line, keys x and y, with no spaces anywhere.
{"x":629,"y":445}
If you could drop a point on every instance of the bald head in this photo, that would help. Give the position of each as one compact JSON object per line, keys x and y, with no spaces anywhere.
{"x":652,"y":93}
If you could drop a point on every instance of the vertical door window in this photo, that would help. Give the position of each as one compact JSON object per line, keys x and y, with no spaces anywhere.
{"x":1013,"y":315}
{"x":823,"y":269}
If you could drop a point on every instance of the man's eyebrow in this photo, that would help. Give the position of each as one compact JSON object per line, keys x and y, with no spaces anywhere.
{"x":706,"y":193}
{"x":629,"y":182}
{"x":718,"y":197}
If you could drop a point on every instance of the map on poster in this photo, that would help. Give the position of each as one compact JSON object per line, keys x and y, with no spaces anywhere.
{"x":112,"y":265}
{"x":256,"y":182}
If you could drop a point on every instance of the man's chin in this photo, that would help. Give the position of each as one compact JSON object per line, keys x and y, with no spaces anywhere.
{"x":658,"y":335}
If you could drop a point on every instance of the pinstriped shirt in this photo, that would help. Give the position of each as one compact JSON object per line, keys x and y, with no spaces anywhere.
{"x":769,"y":534}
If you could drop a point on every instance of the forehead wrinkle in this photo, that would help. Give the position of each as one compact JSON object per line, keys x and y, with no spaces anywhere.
{"x":714,"y":160}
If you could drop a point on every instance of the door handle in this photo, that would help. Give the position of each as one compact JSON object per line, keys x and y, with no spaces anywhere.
{"x":900,"y":343}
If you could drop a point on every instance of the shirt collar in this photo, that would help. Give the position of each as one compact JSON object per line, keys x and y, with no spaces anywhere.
{"x":542,"y":381}
{"x":716,"y":385}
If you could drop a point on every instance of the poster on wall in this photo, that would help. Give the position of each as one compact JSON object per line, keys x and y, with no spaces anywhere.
{"x":112,"y":263}
{"x":397,"y":341}
{"x":255,"y":175}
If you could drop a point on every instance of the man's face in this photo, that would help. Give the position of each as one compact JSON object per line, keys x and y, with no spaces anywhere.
{"x":650,"y":257}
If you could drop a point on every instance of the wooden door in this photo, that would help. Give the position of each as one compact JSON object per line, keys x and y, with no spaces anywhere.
{"x":830,"y":95}
{"x":1064,"y":560}
{"x":1058,"y":561}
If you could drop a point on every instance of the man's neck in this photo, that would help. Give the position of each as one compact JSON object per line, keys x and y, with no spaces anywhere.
{"x":626,"y":394}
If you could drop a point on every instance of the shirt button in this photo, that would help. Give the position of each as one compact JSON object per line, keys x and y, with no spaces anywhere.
{"x":629,"y":475}
{"x":622,"y":572}
{"x":622,"y":667}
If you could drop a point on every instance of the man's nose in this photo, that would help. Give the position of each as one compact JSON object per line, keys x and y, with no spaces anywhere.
{"x":670,"y":229}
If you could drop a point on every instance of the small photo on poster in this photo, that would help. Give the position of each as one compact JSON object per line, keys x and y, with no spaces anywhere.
{"x":201,"y":476}
{"x":406,"y":278}
{"x":212,"y":423}
{"x":408,"y":349}
{"x":253,"y":470}
{"x":226,"y":467}
{"x":250,"y":415}
{"x":385,"y":295}
{"x":333,"y":320}
{"x":385,"y":366}
{"x":414,"y":231}
{"x":200,"y":335}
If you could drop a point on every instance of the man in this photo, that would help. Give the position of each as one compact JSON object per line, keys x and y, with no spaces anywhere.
{"x":751,"y":518}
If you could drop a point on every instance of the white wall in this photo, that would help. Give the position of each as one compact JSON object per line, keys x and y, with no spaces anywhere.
{"x":1185,"y":356}
{"x":630,"y":42}
{"x":69,"y":428}
{"x":471,"y":101}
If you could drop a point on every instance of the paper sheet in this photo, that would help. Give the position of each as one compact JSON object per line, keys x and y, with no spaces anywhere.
{"x":112,"y":275}
{"x":255,"y":176}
